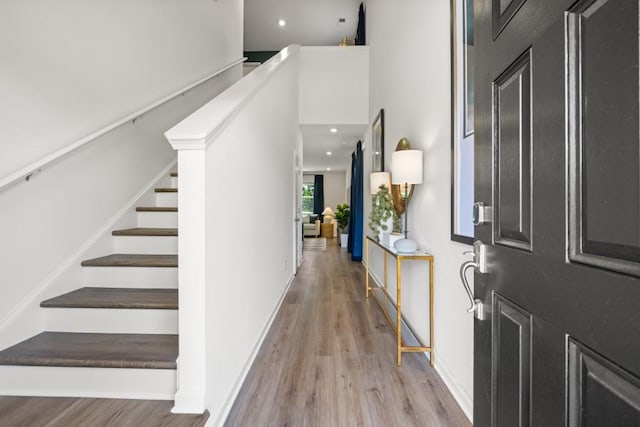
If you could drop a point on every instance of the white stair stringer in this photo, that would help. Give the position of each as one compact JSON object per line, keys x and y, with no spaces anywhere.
{"x":131,"y":277}
{"x":152,"y":245}
{"x":111,"y":320}
{"x":114,"y":383}
{"x":158,"y":219}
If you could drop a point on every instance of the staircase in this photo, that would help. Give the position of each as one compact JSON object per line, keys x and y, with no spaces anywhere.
{"x":116,"y":335}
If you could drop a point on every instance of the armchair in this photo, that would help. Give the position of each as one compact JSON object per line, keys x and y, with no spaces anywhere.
{"x":310,"y":229}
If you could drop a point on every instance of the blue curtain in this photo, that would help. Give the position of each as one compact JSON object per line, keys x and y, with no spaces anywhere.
{"x":357,"y":208}
{"x":361,"y":38}
{"x":318,"y":194}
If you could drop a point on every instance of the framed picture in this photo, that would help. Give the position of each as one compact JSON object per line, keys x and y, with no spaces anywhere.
{"x":377,"y":140}
{"x":462,"y":100}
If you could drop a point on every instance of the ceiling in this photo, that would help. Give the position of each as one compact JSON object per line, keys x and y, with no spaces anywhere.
{"x":318,"y":139}
{"x":308,"y":23}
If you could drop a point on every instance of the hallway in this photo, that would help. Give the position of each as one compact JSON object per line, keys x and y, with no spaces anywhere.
{"x":329,"y":360}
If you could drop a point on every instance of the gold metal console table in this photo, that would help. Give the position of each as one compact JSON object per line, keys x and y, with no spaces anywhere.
{"x":421,"y":256}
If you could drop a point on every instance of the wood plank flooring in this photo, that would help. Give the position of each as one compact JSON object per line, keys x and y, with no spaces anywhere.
{"x":71,"y":412}
{"x":140,"y":298}
{"x":329,"y":360}
{"x":132,"y":260}
{"x":143,"y":351}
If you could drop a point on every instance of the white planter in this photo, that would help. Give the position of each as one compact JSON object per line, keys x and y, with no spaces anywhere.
{"x":344,"y":241}
{"x":389,"y":229}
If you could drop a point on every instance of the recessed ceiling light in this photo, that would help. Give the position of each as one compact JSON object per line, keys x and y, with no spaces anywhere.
{"x":328,"y":169}
{"x":377,"y":153}
{"x":282,"y":22}
{"x":333,"y":130}
{"x":329,"y":153}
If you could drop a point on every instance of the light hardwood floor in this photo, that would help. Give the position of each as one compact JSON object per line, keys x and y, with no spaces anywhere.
{"x":329,"y":360}
{"x":70,"y":412}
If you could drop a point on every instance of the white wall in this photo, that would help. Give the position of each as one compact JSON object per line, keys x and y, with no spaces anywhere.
{"x":334,"y":85}
{"x":309,"y":23}
{"x":334,"y":187}
{"x":410,"y":79}
{"x":71,"y":67}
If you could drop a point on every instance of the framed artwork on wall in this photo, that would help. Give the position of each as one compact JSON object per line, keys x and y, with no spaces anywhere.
{"x":377,"y":142}
{"x":462,"y":90}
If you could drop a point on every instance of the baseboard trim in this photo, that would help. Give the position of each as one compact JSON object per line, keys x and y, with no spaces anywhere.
{"x":224,"y":413}
{"x":464,"y":400}
{"x":33,"y":299}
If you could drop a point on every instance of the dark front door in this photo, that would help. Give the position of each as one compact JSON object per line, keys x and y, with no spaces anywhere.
{"x":558,"y":159}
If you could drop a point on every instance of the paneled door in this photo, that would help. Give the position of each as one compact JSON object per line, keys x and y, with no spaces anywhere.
{"x":558,"y":160}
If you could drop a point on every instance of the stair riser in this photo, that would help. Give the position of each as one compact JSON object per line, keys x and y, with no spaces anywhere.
{"x":131,"y":277}
{"x":158,"y":219}
{"x":114,"y":383}
{"x":167,"y":199}
{"x":108,"y":320}
{"x":174,"y":182}
{"x":145,"y":245}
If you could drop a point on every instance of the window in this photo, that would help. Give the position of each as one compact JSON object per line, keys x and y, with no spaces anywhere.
{"x":307,"y":198}
{"x":462,"y":129}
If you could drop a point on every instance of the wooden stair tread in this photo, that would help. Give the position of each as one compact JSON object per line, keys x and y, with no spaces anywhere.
{"x":89,"y":297}
{"x":156,"y":209}
{"x":142,"y":231}
{"x":143,"y":351}
{"x":166,"y":190}
{"x":132,"y":260}
{"x":174,"y":174}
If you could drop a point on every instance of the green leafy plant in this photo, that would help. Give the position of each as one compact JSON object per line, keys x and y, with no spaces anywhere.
{"x":381,"y":210}
{"x":342,"y":216}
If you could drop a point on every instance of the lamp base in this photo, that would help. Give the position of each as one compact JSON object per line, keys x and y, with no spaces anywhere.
{"x":406,"y":246}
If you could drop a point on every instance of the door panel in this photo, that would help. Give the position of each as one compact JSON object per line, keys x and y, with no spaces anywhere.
{"x":605,"y":191}
{"x":600,"y":394}
{"x":512,"y":99}
{"x":557,"y":81}
{"x":511,"y":364}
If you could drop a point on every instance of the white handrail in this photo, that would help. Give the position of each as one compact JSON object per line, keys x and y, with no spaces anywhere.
{"x":28,"y":171}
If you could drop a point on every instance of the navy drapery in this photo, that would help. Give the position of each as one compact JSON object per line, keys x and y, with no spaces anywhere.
{"x":318,"y":194}
{"x":357,"y":208}
{"x":360,"y":32}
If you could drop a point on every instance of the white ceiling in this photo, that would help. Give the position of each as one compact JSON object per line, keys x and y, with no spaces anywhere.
{"x":318,"y":139}
{"x":309,"y":23}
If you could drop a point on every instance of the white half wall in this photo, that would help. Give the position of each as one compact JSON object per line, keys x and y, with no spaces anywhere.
{"x":334,"y":85}
{"x":71,"y":67}
{"x":410,"y":79}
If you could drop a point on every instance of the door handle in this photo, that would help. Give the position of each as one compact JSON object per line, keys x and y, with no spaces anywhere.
{"x":478,"y":263}
{"x":463,"y":276}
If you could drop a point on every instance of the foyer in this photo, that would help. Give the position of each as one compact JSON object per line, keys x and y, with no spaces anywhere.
{"x":328,"y":360}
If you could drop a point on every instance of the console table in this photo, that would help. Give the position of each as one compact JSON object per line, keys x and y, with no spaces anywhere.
{"x":400,"y":257}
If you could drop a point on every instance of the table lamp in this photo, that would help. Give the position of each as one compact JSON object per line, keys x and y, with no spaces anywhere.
{"x":327,"y":212}
{"x":406,"y":168}
{"x":377,"y":179}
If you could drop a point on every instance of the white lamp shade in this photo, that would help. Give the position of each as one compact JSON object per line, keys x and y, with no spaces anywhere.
{"x":328,"y":211}
{"x":406,"y":167}
{"x":379,"y":178}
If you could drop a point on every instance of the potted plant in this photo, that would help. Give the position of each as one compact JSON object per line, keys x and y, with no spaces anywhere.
{"x":342,"y":216}
{"x":383,"y":216}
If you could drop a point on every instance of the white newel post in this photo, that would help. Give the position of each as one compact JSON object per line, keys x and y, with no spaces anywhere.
{"x":190,"y":396}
